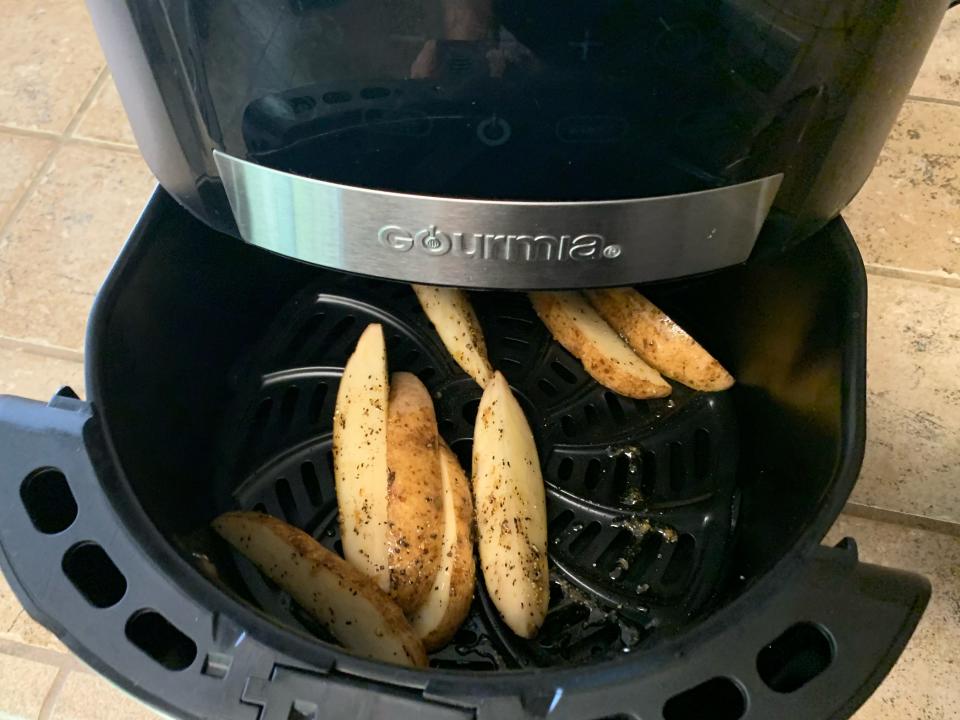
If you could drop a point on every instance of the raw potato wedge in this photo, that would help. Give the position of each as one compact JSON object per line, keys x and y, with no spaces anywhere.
{"x":456,"y":323}
{"x":511,"y":510}
{"x":348,"y":603}
{"x":659,"y":340}
{"x":608,"y":359}
{"x":444,"y":610}
{"x":414,"y":492}
{"x":360,"y":456}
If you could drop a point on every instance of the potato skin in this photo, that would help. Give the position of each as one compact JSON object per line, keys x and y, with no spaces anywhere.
{"x":448,"y":603}
{"x":452,"y":316}
{"x":605,"y":356}
{"x":659,"y":340}
{"x":510,"y":510}
{"x":360,"y":456}
{"x":414,"y":492}
{"x":343,"y":599}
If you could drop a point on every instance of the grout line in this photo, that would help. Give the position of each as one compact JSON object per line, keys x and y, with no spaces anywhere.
{"x":30,"y":132}
{"x":45,"y":166}
{"x":50,"y":701}
{"x":54,"y":351}
{"x":45,"y":656}
{"x":896,"y":517}
{"x":105,"y":144}
{"x":931,"y":277}
{"x":936,"y":101}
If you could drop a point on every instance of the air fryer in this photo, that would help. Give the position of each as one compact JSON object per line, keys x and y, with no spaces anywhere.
{"x":317,"y":155}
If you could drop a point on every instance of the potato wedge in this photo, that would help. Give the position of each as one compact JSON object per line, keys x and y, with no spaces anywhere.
{"x":456,"y":323}
{"x":511,"y":510}
{"x":360,"y":456}
{"x":608,"y":359}
{"x":348,"y":603}
{"x":414,"y":492}
{"x":657,"y":339}
{"x":444,"y":610}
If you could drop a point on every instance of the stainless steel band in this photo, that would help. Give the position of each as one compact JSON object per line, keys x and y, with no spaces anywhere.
{"x":495,"y":244}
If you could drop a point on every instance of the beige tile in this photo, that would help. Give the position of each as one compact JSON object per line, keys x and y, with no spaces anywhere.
{"x":36,"y":376}
{"x":55,"y":255}
{"x":16,"y":625}
{"x":10,"y":607}
{"x":925,"y":683}
{"x":24,"y":685}
{"x":912,"y":462}
{"x":940,"y":75}
{"x":908,"y":213}
{"x":20,"y":159}
{"x":90,"y":697}
{"x":49,"y":62}
{"x":106,"y":119}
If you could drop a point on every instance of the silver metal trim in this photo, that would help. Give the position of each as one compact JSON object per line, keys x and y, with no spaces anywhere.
{"x":495,"y":244}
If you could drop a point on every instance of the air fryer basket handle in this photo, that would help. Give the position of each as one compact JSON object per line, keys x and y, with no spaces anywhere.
{"x":814,"y":648}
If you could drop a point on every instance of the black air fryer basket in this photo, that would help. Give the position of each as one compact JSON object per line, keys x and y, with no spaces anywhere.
{"x":686,"y":576}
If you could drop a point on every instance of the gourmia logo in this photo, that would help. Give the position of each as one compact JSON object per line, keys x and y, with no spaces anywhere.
{"x":488,"y":246}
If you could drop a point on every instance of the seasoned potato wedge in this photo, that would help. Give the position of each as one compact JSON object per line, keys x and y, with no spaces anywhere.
{"x":511,"y":510}
{"x":442,"y":613}
{"x":360,"y":456}
{"x":608,"y":359}
{"x":348,"y":603}
{"x":414,"y":492}
{"x":456,"y":323}
{"x":658,"y":339}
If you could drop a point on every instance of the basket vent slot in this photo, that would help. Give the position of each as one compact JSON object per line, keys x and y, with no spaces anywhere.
{"x":721,"y":695}
{"x":159,"y":639}
{"x":49,"y":502}
{"x":94,"y":574}
{"x":795,"y":658}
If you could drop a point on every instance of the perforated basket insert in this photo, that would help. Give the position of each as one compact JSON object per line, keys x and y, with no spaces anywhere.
{"x":641,"y":495}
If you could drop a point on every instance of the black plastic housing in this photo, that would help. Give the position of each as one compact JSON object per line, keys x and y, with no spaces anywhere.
{"x":792,"y":630}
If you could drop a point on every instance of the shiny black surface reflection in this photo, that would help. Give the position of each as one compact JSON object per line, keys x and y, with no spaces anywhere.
{"x":521,"y":99}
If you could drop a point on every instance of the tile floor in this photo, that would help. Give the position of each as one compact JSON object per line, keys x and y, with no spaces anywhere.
{"x":72,"y":184}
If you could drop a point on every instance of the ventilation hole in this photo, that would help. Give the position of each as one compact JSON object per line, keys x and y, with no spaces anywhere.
{"x":288,"y":406}
{"x":561,"y":620}
{"x":311,"y":483}
{"x":559,"y":524}
{"x":614,"y":406}
{"x":336,"y":97}
{"x":556,"y":593}
{"x":469,"y":411}
{"x":260,"y":508}
{"x":445,"y":426}
{"x":548,"y":388}
{"x":795,"y":658}
{"x":48,"y":500}
{"x":681,"y":562}
{"x":426,"y":373}
{"x":722,"y":696}
{"x":410,"y":358}
{"x":262,"y":417}
{"x":288,"y":505}
{"x":338,"y":547}
{"x":648,"y":474}
{"x":516,"y":342}
{"x":562,"y":372}
{"x":302,"y":104}
{"x":591,"y":478}
{"x":308,"y":330}
{"x":217,"y":665}
{"x":154,"y":635}
{"x":585,"y":538}
{"x":701,"y":454}
{"x":338,"y":331}
{"x":612,"y":557}
{"x":591,"y":415}
{"x":506,"y":363}
{"x":374,"y":93}
{"x":463,"y":449}
{"x":470,"y":665}
{"x":316,"y":402}
{"x":565,"y":469}
{"x":568,"y":425}
{"x":94,"y":574}
{"x":643,"y":559}
{"x":678,"y":472}
{"x":465,"y":636}
{"x":621,"y":474}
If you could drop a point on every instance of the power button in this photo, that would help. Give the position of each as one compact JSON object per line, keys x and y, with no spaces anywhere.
{"x":493,"y":131}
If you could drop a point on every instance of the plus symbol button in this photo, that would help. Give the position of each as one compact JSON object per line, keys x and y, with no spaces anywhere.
{"x":585,"y":45}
